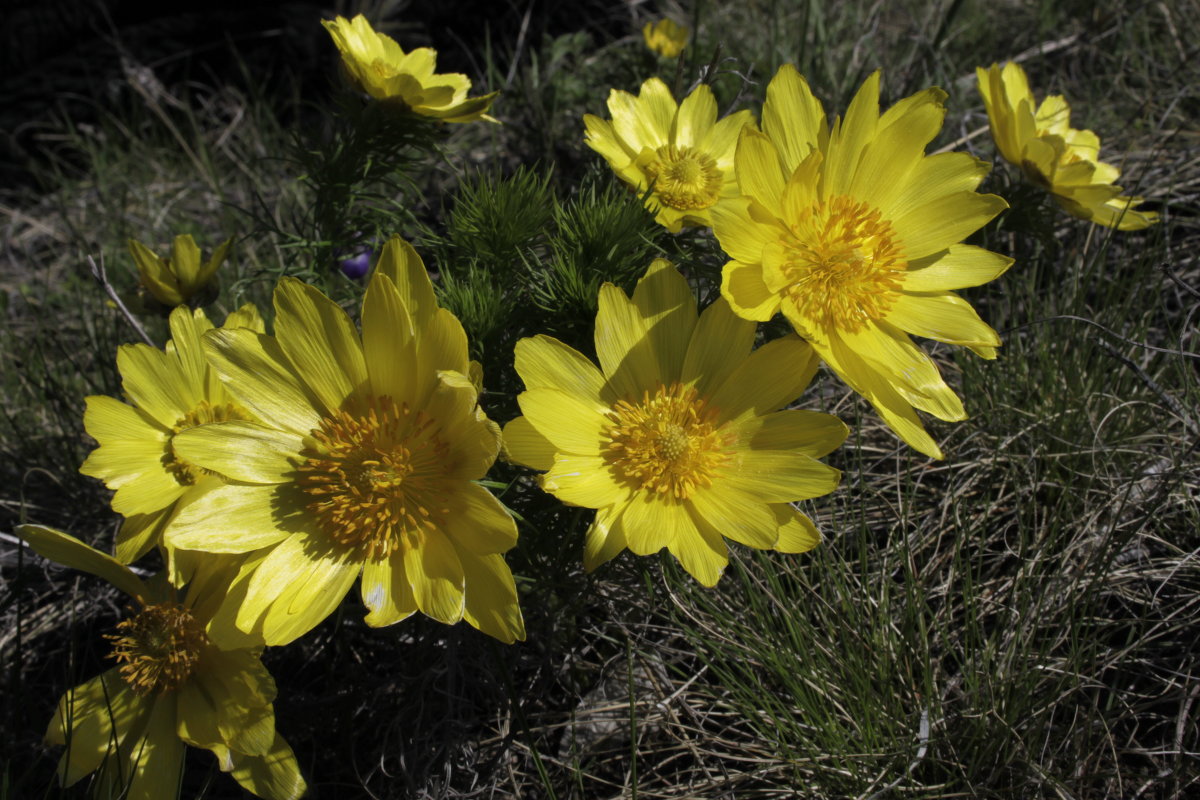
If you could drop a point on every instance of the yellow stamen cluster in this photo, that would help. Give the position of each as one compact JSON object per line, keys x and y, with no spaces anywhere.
{"x":684,"y":178}
{"x":668,"y":443}
{"x":203,"y":414}
{"x":157,"y":648}
{"x":843,"y":265}
{"x":375,"y":478}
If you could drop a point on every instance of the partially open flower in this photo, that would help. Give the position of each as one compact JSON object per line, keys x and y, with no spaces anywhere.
{"x":678,"y":152}
{"x":1062,"y":160}
{"x":383,"y":70}
{"x":183,"y":276}
{"x":172,"y":685}
{"x":665,"y":37}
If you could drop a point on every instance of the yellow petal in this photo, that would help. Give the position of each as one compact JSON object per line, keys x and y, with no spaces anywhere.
{"x":152,"y":381}
{"x":546,"y":363}
{"x":945,"y":221}
{"x":320,"y":342}
{"x":933,"y":177}
{"x":721,"y":142}
{"x":797,"y":534}
{"x":904,"y":131}
{"x":228,"y":518}
{"x":247,"y":316}
{"x":793,"y":117}
{"x":851,"y":136}
{"x":92,"y":719}
{"x":492,"y":605}
{"x":776,"y":476}
{"x":911,"y":372}
{"x":646,"y":121}
{"x":387,"y":338}
{"x":187,"y":327}
{"x":742,"y":285}
{"x":943,"y":317}
{"x":441,"y":345}
{"x":623,"y":347}
{"x":696,"y":116}
{"x":760,"y":174}
{"x":896,"y":411}
{"x":400,"y":262}
{"x":473,"y":440}
{"x":257,"y":372}
{"x":572,"y":425}
{"x":584,"y":481}
{"x":386,"y":592}
{"x":436,"y":576}
{"x":275,"y":775}
{"x":648,"y":522}
{"x":242,"y":451}
{"x":700,"y":549}
{"x":158,"y":757}
{"x":478,"y":523}
{"x":524,"y":445}
{"x":809,"y":432}
{"x":297,"y":586}
{"x":71,"y":552}
{"x":197,"y":716}
{"x":957,"y":267}
{"x":721,"y":341}
{"x":244,"y":690}
{"x":737,"y":514}
{"x":773,"y":376}
{"x":139,"y":533}
{"x":600,"y":136}
{"x":744,"y":226}
{"x":668,"y":310}
{"x":605,"y":537}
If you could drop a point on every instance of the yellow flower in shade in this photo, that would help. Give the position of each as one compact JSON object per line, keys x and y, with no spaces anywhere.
{"x":680,"y":152}
{"x":171,"y":686}
{"x":665,"y":37}
{"x":177,"y":280}
{"x":383,"y":70}
{"x":677,"y":440}
{"x":854,"y":234}
{"x":170,"y":390}
{"x":364,"y":462}
{"x":1064,"y":161}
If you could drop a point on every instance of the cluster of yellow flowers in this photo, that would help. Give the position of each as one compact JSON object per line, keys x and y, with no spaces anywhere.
{"x":849,"y":228}
{"x":273,"y":471}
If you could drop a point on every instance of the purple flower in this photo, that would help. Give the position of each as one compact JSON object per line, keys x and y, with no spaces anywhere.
{"x":357,"y":265}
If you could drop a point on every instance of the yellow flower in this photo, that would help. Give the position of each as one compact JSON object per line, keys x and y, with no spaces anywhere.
{"x":1064,"y":161}
{"x":383,"y":70}
{"x":364,"y":462}
{"x":170,"y":391}
{"x":853,"y":233}
{"x":172,"y":685}
{"x":665,"y":37}
{"x":176,"y":280}
{"x":678,"y":439}
{"x":679,"y":151}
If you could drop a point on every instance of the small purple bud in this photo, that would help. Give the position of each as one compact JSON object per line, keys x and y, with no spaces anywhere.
{"x":356,"y":266}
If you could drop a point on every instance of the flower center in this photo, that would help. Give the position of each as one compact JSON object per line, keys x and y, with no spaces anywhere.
{"x":683,"y":178}
{"x":843,"y":266}
{"x":667,"y":444}
{"x":185,"y":473}
{"x":375,"y":479}
{"x":157,"y":649}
